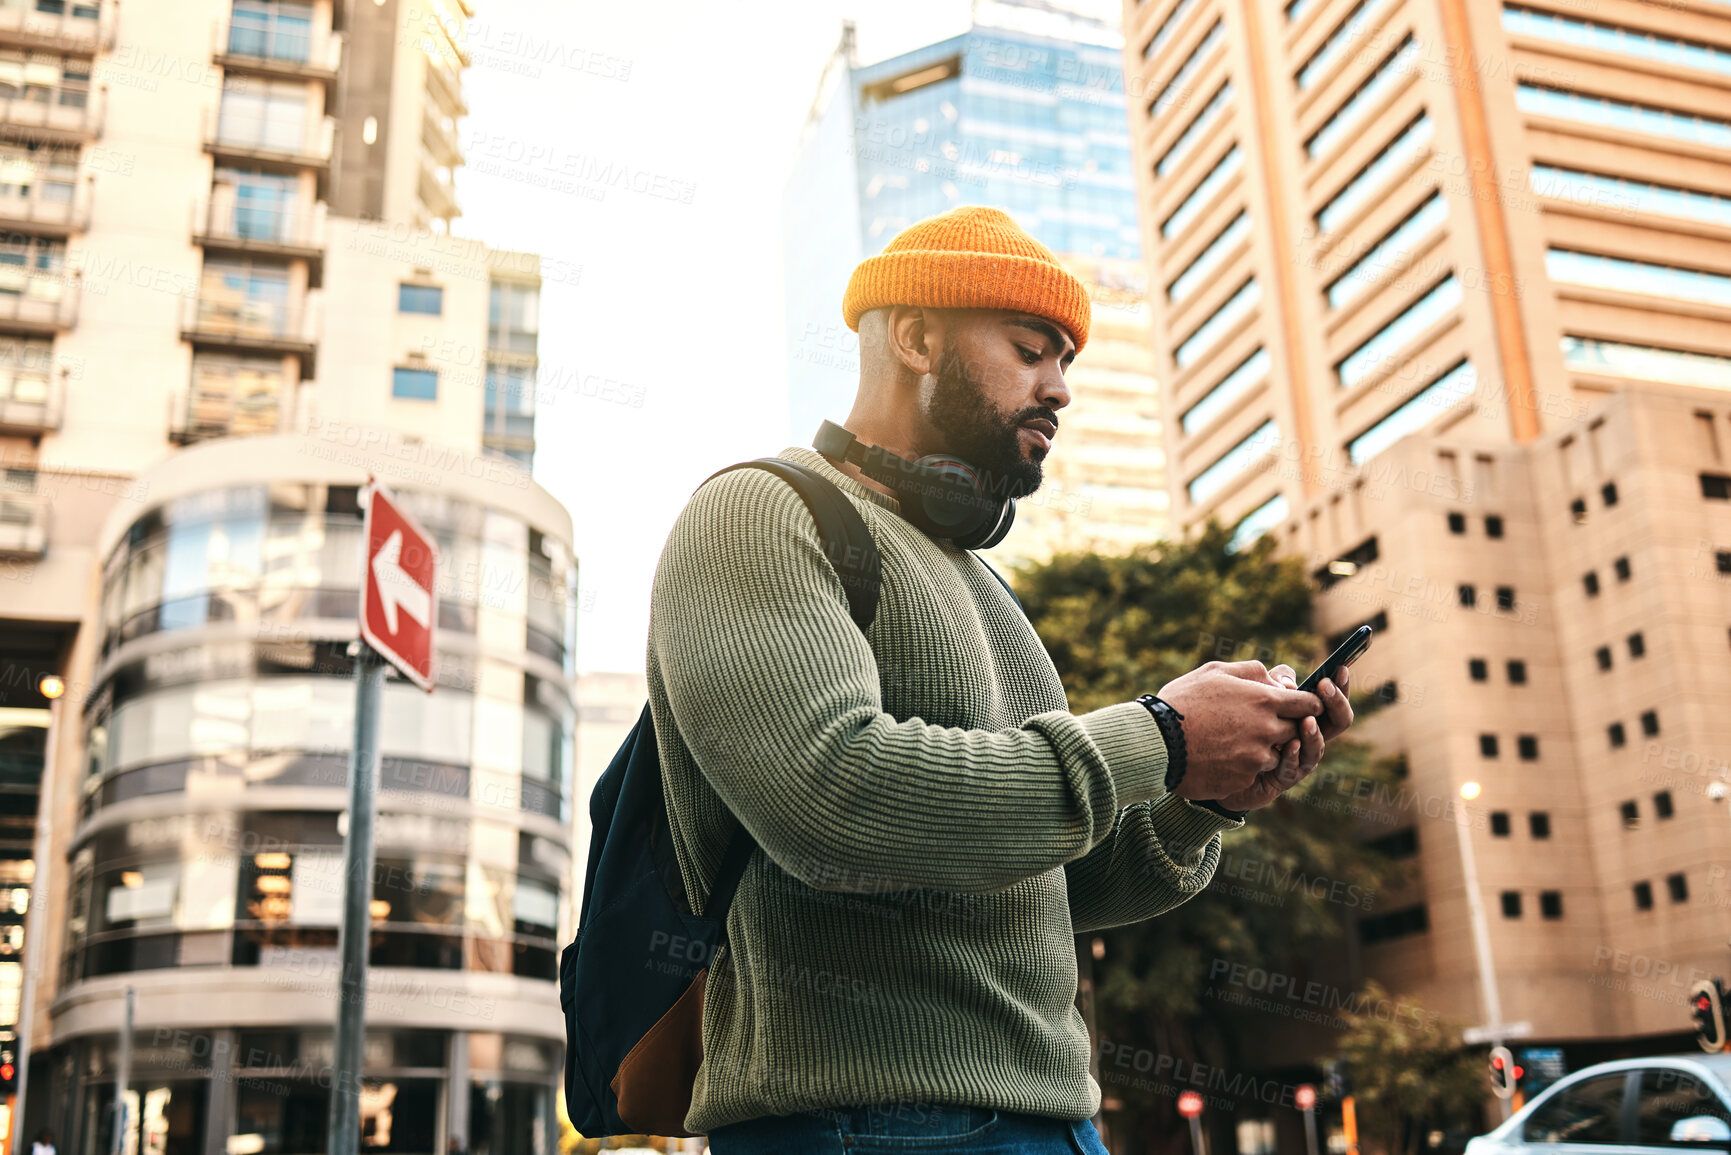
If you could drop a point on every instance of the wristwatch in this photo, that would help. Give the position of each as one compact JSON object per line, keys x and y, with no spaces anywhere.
{"x":1171,"y":724}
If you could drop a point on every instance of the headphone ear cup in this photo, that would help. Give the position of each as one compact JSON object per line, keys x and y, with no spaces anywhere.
{"x":1001,"y":529}
{"x":950,"y":498}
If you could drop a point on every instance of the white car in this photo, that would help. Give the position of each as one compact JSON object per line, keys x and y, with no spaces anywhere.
{"x":1632,"y":1105}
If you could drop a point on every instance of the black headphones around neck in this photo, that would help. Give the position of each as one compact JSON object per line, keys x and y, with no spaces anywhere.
{"x":942,"y":495}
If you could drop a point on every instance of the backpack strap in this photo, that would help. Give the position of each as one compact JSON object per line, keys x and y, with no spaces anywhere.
{"x":849,"y":546}
{"x":1001,"y":582}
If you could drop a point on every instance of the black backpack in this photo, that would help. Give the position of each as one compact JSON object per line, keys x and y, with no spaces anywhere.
{"x":631,"y":985}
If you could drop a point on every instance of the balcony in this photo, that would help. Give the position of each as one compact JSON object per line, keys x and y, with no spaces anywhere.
{"x":438,"y":193}
{"x":283,"y":51}
{"x":37,"y":304}
{"x":222,"y":223}
{"x":30,"y":401}
{"x":84,"y":29}
{"x":439,"y":135}
{"x":271,"y":145}
{"x":230,"y":399}
{"x":49,"y":209}
{"x":72,"y":116}
{"x":229,"y":323}
{"x":446,"y":88}
{"x":23,"y":524}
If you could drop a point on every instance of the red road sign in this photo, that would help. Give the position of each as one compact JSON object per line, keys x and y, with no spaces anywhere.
{"x":399,"y":593}
{"x":1190,"y":1104}
{"x":1305,"y":1097}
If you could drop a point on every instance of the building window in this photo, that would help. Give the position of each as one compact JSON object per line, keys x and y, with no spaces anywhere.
{"x":1650,"y":722}
{"x":1224,"y":170}
{"x":1376,"y":173}
{"x":1637,"y":646}
{"x":275,"y":31}
{"x":1477,"y":669}
{"x":1643,"y":896}
{"x":1528,"y":745}
{"x":1722,"y":560}
{"x":428,"y":299}
{"x":1381,"y":349}
{"x":513,"y":316}
{"x":1614,"y":39}
{"x":1493,"y":526}
{"x":1195,"y":130}
{"x":1578,"y":508}
{"x":1394,"y":68}
{"x":1500,"y":823}
{"x":1210,"y":258}
{"x":1662,"y":806}
{"x":1590,"y":580}
{"x":1568,"y":266}
{"x":1396,"y":924}
{"x":1630,"y":195}
{"x":1505,"y":597}
{"x":1457,"y":523}
{"x":1616,"y":734}
{"x":1171,"y":94}
{"x":1466,"y":595}
{"x":1249,"y":373}
{"x":1603,"y":654}
{"x":1608,"y":491}
{"x":1488,"y":745}
{"x":1387,"y":253}
{"x":1645,"y":362}
{"x":267,"y":115}
{"x":1517,"y":672}
{"x":1631,"y":815}
{"x":1258,"y":522}
{"x":1539,"y":824}
{"x":1208,"y":334}
{"x":1403,"y":843}
{"x":1511,"y":904}
{"x":1332,"y":48}
{"x":1715,"y":487}
{"x":1416,"y":413}
{"x":1167,"y":27}
{"x":415,"y":384}
{"x":1233,"y":462}
{"x":1621,"y":566}
{"x":1601,"y":110}
{"x":1347,"y":563}
{"x":1551,"y":903}
{"x":1678,"y":885}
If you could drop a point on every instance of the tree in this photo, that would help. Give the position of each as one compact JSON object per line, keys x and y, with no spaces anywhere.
{"x":1410,"y":1074}
{"x":1119,"y":626}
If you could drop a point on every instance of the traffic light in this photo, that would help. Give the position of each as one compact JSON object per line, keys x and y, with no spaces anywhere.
{"x":1707,"y":1011}
{"x":1339,"y":1086}
{"x":1505,"y":1074}
{"x":8,"y":1070}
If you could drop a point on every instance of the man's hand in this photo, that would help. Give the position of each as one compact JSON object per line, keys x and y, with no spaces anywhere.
{"x":1238,"y":721}
{"x":1301,"y":755}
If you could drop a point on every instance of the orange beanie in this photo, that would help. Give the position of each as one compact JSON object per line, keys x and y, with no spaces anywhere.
{"x":969,"y":258}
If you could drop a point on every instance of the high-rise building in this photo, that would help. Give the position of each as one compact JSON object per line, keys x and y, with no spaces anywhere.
{"x":229,"y":296}
{"x":1443,"y":302}
{"x":1025,"y":112}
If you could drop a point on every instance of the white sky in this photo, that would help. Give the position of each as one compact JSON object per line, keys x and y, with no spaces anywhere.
{"x":680,"y":303}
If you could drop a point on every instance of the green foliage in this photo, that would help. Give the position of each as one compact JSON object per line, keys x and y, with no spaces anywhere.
{"x":1408,"y":1070}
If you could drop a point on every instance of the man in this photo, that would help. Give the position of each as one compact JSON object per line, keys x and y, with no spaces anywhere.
{"x":933,"y":825}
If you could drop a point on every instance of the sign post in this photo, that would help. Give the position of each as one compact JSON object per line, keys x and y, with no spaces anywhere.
{"x":1305,"y":1097}
{"x":399,"y":600}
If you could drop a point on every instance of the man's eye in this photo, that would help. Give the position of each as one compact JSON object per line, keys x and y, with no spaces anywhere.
{"x":1028,"y":355}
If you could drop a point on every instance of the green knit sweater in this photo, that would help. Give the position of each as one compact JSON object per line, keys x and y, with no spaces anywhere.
{"x":934,"y":826}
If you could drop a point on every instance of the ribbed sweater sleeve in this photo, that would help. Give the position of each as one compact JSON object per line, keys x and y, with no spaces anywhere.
{"x":1159,"y":855}
{"x":775,"y":692}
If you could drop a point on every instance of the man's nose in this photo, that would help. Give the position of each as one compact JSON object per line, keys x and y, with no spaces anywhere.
{"x":1054,"y":391}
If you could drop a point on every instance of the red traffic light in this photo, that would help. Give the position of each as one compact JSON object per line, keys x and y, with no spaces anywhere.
{"x":1305,"y":1097}
{"x":1703,"y":1003}
{"x":1190,"y":1104}
{"x":1496,"y":1062}
{"x":7,"y":1070}
{"x":1520,"y":1071}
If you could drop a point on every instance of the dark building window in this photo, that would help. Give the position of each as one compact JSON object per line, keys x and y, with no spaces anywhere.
{"x":1662,"y":804}
{"x":1722,"y":559}
{"x":1457,"y":523}
{"x":1637,"y":646}
{"x":1643,"y":896}
{"x":1578,"y":508}
{"x":1518,"y":672}
{"x":1511,"y":904}
{"x":1488,"y":745}
{"x":1493,"y":526}
{"x":1631,"y":815}
{"x":1477,"y":669}
{"x":1539,"y":824}
{"x":1616,"y":734}
{"x":1500,"y":823}
{"x":1466,"y":595}
{"x":1551,"y":903}
{"x":1715,"y":487}
{"x":1621,"y":565}
{"x":1650,"y":723}
{"x":1590,"y":579}
{"x":1678,"y":885}
{"x":1505,"y":597}
{"x":1347,"y":563}
{"x":1403,"y":843}
{"x":1603,"y":653}
{"x":1528,"y":744}
{"x":1608,"y":491}
{"x":1395,"y":924}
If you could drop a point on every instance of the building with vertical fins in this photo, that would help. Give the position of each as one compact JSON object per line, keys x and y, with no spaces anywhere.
{"x":232,"y":291}
{"x":1443,"y":304}
{"x":1024,"y":112}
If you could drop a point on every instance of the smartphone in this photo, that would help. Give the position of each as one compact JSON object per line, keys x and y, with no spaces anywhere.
{"x":1344,"y":654}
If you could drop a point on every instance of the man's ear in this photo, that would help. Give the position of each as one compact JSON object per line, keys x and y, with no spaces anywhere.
{"x":914,"y":333}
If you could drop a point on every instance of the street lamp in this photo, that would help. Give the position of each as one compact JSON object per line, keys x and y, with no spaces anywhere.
{"x":1481,"y":932}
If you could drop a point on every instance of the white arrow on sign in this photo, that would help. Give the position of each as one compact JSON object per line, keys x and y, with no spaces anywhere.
{"x":1474,"y":1035}
{"x":396,"y":588}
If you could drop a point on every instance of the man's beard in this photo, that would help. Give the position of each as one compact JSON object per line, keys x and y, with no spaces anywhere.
{"x":976,"y":432}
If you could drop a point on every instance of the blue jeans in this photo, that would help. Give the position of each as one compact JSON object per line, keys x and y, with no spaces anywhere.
{"x":908,"y":1127}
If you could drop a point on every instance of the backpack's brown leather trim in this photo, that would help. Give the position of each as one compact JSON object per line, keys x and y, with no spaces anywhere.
{"x":653,"y":1084}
